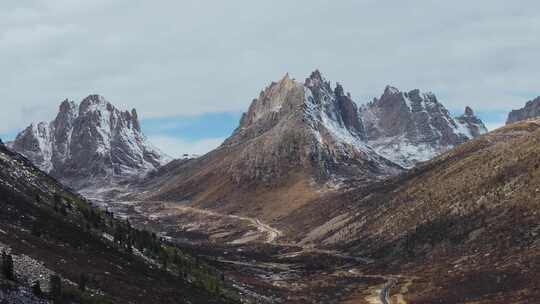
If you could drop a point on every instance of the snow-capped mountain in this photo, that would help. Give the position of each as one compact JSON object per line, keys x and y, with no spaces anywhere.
{"x":298,"y":142}
{"x":89,"y":142}
{"x":530,"y":110}
{"x":408,"y":127}
{"x":472,"y":123}
{"x":307,"y":123}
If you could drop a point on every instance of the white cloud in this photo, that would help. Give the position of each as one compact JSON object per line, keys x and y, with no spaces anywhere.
{"x":177,"y":147}
{"x":194,"y":56}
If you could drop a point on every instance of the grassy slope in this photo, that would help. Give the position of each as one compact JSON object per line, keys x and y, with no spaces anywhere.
{"x":466,"y":224}
{"x":69,"y":248}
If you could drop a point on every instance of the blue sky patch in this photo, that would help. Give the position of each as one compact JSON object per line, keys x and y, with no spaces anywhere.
{"x":208,"y":125}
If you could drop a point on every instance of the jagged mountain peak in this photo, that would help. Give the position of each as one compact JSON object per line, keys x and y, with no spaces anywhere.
{"x":318,"y":121}
{"x":111,"y":117}
{"x":340,"y":92}
{"x":269,"y":103}
{"x":94,"y":99}
{"x":391,"y":90}
{"x":413,"y":126}
{"x":135,"y":118}
{"x":312,"y":103}
{"x":530,"y":110}
{"x":413,"y":93}
{"x":300,"y":139}
{"x":90,"y":142}
{"x":469,"y":111}
{"x":316,"y":80}
{"x":471,"y":124}
{"x":95,"y":102}
{"x":68,"y":105}
{"x":67,"y":111}
{"x":316,"y":75}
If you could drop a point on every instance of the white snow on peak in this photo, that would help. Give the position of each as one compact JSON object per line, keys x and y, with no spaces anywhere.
{"x":401,"y":151}
{"x":407,"y":101}
{"x":95,"y":116}
{"x":323,"y":115}
{"x":391,"y":90}
{"x":42,"y":133}
{"x":462,"y":128}
{"x":272,"y":98}
{"x":407,"y":149}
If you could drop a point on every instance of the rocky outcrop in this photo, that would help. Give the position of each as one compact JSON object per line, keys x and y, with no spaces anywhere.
{"x":531,"y":110}
{"x":34,"y":142}
{"x":298,"y":141}
{"x":309,"y":125}
{"x":408,"y":127}
{"x":89,"y":143}
{"x":474,"y":125}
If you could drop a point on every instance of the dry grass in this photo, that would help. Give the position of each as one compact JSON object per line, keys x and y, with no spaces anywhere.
{"x":467,"y":222}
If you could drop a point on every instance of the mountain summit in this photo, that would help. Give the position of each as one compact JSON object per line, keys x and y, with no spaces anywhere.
{"x":530,"y":110}
{"x":309,"y":125}
{"x":297,"y":142}
{"x":301,"y":140}
{"x":408,"y":127}
{"x":89,"y":142}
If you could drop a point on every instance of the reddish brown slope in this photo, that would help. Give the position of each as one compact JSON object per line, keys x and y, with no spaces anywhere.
{"x":466,"y":224}
{"x":296,"y":143}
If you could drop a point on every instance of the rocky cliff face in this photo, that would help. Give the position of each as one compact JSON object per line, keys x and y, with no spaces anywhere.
{"x":88,"y":143}
{"x":470,"y":121}
{"x":299,"y":140}
{"x":408,"y":127}
{"x":531,"y":110}
{"x":310,"y":125}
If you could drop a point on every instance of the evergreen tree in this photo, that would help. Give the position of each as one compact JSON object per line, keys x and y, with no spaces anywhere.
{"x":63,"y":209}
{"x":55,"y":286}
{"x":57,"y":202}
{"x":164,"y":259}
{"x":36,"y":289}
{"x":83,"y":280}
{"x":7,"y":266}
{"x":35,"y":230}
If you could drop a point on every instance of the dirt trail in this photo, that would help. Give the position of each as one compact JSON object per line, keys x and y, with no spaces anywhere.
{"x":384,"y":294}
{"x":271,"y":233}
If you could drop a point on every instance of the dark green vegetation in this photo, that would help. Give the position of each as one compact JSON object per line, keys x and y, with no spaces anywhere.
{"x":7,"y":266}
{"x":43,"y":220}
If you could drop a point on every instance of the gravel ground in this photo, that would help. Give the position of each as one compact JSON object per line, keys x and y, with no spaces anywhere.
{"x":29,"y":270}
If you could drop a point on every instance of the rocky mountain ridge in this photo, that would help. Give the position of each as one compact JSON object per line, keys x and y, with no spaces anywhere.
{"x":311,"y":136}
{"x":470,"y":213}
{"x":299,"y":140}
{"x":530,"y":110}
{"x":319,"y":123}
{"x":49,"y":230}
{"x":409,"y":127}
{"x":88,"y":143}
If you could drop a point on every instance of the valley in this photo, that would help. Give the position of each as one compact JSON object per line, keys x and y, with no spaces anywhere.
{"x":263,"y":267}
{"x":312,"y":199}
{"x":266,"y":152}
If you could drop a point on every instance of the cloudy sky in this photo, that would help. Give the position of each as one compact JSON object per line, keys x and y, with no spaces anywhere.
{"x":191,"y":67}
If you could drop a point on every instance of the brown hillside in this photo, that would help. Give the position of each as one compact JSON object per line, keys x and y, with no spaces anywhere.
{"x":466,"y":224}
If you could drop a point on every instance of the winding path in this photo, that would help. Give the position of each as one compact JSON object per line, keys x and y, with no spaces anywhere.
{"x":271,"y":233}
{"x":384,"y":295}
